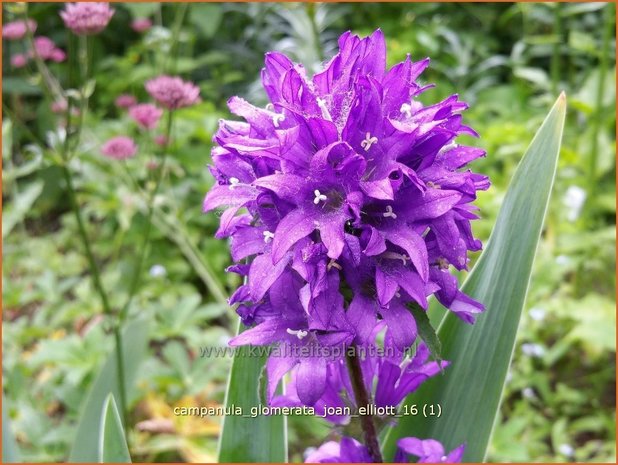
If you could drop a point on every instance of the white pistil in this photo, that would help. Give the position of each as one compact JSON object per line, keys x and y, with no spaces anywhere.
{"x":270,"y":107}
{"x":406,"y":108}
{"x":234,"y":182}
{"x":268,"y":236}
{"x":389,"y":213}
{"x":299,"y":333}
{"x":277,"y":118}
{"x":319,"y":197}
{"x":333,"y":264}
{"x":369,"y":141}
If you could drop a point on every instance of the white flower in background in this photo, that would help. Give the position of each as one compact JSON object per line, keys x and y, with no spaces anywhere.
{"x":528,"y":393}
{"x":563,"y":260}
{"x":566,"y":449}
{"x":574,"y":199}
{"x":533,"y":350}
{"x":537,"y":313}
{"x":157,"y":271}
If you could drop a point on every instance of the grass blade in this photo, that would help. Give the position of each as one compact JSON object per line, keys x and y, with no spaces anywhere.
{"x":250,"y":440}
{"x":469,"y":391}
{"x":112,"y":445}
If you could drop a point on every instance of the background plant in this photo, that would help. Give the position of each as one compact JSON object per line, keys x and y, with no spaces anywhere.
{"x":508,"y":59}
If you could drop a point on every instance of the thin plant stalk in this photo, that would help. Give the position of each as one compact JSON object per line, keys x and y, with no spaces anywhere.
{"x":137,"y":274}
{"x":370,"y":435}
{"x":598,"y":116}
{"x":555,"y":59}
{"x":55,"y":91}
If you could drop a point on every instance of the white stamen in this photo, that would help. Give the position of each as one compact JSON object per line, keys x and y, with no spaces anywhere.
{"x":443,"y":458}
{"x":333,"y":264}
{"x":389,"y":213}
{"x":318,"y":197}
{"x":277,"y":118}
{"x":396,"y":256}
{"x":450,"y":146}
{"x":268,"y":236}
{"x":270,"y":107}
{"x":407,"y":109}
{"x":299,"y":333}
{"x":369,"y":141}
{"x":325,"y":113}
{"x":397,"y":294}
{"x":234,"y":182}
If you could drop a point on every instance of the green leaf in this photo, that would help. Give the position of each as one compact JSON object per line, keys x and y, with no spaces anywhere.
{"x":135,"y":338}
{"x":260,"y":439}
{"x":10,"y":451}
{"x":469,"y":391}
{"x":426,"y":331}
{"x":206,"y":17}
{"x":17,"y":210}
{"x":112,"y":444}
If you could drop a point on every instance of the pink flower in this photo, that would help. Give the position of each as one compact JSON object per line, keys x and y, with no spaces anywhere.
{"x":59,"y":106}
{"x":46,"y":49}
{"x":119,"y":148}
{"x":17,"y":29}
{"x":173,"y":92}
{"x":125,"y":101}
{"x":19,"y":60}
{"x":146,"y":115}
{"x":141,"y":24}
{"x":87,"y":18}
{"x":160,"y":139}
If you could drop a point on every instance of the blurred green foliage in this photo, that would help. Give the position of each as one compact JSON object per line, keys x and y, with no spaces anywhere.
{"x":507,"y":60}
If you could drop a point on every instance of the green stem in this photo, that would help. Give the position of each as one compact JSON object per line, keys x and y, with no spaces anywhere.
{"x":137,"y":272}
{"x":52,"y":87}
{"x":362,"y":399}
{"x":598,"y":116}
{"x":98,"y":285}
{"x":555,"y":60}
{"x":178,"y":19}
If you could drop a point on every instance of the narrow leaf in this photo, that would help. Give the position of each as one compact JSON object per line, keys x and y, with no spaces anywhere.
{"x":112,"y":444}
{"x":426,"y":331}
{"x":135,"y":338}
{"x":244,"y":439}
{"x":469,"y":391}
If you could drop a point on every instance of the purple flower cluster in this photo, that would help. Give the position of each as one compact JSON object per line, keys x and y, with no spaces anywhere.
{"x":349,"y":450}
{"x":347,"y":201}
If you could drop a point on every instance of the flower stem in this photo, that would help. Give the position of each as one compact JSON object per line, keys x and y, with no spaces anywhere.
{"x":141,"y":257}
{"x":362,"y":398}
{"x":96,"y":278}
{"x":608,"y":28}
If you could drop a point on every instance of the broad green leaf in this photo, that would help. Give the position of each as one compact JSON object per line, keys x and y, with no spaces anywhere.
{"x":135,"y":339}
{"x":10,"y":451}
{"x":469,"y":391}
{"x":112,"y":444}
{"x":260,"y":439}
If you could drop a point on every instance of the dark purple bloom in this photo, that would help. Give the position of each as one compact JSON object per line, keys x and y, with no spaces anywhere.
{"x":349,"y":450}
{"x":346,"y":201}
